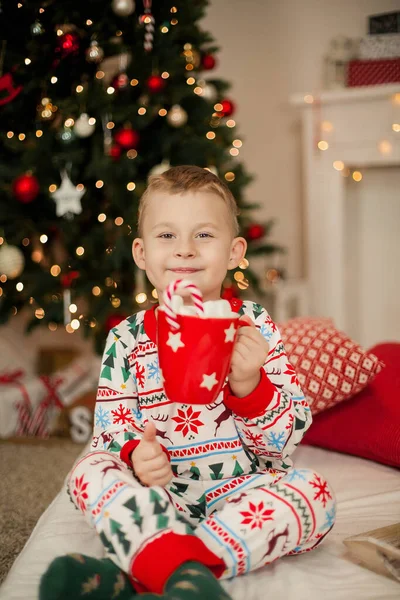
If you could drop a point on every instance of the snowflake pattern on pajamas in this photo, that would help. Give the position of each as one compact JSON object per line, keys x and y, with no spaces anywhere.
{"x":330,"y":518}
{"x":137,"y":413}
{"x":254,"y":438}
{"x":140,"y":375}
{"x":277,"y":440}
{"x":102,"y":417}
{"x":188,"y":421}
{"x":257,"y":515}
{"x":154,"y":371}
{"x":296,"y":474}
{"x":322,"y":494}
{"x":122,"y":415}
{"x":266,"y":332}
{"x":80,"y":492}
{"x":292,"y":373}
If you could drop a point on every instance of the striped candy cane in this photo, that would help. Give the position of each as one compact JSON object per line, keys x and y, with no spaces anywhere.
{"x":148,"y":20}
{"x":179,"y":286}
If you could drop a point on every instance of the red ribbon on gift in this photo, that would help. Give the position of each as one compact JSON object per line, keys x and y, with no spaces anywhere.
{"x":11,"y":377}
{"x":38,"y":424}
{"x":22,"y":407}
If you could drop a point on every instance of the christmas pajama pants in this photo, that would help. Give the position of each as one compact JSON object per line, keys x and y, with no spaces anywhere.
{"x":231,"y":525}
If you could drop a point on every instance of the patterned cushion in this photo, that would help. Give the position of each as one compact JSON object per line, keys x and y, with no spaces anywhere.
{"x":330,"y":366}
{"x":369,"y":425}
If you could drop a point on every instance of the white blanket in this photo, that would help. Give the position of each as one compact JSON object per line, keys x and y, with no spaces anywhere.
{"x":368,"y":497}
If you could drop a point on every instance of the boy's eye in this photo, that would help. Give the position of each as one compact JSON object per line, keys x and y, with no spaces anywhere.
{"x":168,"y":236}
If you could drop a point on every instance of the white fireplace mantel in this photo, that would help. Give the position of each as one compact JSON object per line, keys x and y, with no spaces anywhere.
{"x":358,"y":129}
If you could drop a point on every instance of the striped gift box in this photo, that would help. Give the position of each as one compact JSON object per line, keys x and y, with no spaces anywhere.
{"x":373,"y":72}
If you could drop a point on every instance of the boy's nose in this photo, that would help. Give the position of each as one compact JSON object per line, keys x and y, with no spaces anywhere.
{"x":185,"y":253}
{"x":185,"y":250}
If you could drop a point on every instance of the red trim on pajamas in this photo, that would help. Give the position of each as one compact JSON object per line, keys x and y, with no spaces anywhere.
{"x":254,"y":404}
{"x":129,"y":447}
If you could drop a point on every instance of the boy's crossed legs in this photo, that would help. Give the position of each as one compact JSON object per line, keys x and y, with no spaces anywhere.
{"x":149,"y":533}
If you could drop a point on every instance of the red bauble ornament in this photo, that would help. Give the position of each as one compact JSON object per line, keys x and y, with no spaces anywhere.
{"x":127,"y":138}
{"x":228,"y":108}
{"x":120,"y":82}
{"x":68,"y":44}
{"x":113,"y":321}
{"x":229,"y":293}
{"x":115,"y":151}
{"x":68,"y":278}
{"x":25,"y":188}
{"x":208,"y":62}
{"x":255,"y":232}
{"x":155,"y":83}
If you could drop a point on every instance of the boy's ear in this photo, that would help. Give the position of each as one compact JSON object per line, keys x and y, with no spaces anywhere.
{"x":238,"y":252}
{"x":138,"y":253}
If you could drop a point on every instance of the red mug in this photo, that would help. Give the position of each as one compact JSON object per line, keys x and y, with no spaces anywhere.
{"x":195,"y":355}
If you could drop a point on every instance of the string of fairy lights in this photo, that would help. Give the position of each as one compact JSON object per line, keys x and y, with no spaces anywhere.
{"x":324,"y":130}
{"x":176,"y":117}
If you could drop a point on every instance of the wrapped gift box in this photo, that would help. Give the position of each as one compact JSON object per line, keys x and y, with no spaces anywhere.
{"x":380,"y":46}
{"x":373,"y":72}
{"x":384,"y":23}
{"x":30,"y":404}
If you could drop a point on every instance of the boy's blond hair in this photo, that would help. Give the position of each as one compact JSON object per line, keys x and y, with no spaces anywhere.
{"x":184,"y":178}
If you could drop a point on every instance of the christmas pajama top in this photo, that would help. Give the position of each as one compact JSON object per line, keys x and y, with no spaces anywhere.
{"x":228,"y":438}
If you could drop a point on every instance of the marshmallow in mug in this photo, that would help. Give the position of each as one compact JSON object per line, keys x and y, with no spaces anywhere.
{"x":212,"y":308}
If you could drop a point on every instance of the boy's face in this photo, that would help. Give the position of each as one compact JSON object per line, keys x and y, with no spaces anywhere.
{"x":188,"y":236}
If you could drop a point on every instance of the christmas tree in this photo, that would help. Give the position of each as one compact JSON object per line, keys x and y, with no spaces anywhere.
{"x":94,"y":97}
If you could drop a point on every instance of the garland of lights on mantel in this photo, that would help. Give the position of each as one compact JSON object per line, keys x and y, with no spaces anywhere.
{"x":324,"y":129}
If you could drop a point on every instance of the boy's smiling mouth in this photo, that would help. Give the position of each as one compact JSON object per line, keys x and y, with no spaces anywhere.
{"x":184,"y":270}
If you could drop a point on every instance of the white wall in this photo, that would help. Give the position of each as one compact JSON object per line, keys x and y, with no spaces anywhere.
{"x":270,"y":49}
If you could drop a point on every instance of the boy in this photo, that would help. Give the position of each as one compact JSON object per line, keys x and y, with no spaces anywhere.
{"x":183,"y":495}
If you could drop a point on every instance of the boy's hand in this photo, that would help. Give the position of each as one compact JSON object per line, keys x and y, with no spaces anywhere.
{"x":249,"y":354}
{"x":149,"y":461}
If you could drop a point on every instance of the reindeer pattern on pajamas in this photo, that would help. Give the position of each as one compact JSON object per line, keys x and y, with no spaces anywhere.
{"x":234,"y":487}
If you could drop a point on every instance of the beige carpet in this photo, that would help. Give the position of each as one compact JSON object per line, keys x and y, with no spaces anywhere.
{"x":31,"y":474}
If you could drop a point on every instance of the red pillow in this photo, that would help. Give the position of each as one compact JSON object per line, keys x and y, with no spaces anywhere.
{"x":369,"y":425}
{"x":330,"y":366}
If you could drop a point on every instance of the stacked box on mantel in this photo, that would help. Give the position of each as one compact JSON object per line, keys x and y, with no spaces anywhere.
{"x":379,"y":53}
{"x":373,"y":72}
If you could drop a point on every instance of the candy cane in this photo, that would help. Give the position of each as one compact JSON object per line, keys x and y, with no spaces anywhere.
{"x":149,"y":21}
{"x":179,"y":286}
